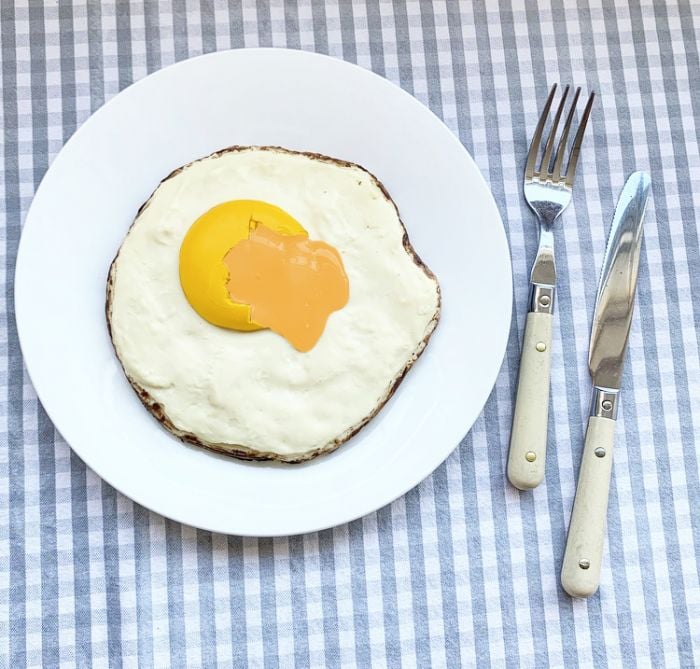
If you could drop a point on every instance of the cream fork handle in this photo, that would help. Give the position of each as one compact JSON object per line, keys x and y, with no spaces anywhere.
{"x":528,"y":438}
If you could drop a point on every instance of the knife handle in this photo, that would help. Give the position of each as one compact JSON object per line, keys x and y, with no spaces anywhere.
{"x":528,"y":437}
{"x":580,"y":572}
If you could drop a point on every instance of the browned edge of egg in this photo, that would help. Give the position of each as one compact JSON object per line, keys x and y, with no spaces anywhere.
{"x":237,"y":450}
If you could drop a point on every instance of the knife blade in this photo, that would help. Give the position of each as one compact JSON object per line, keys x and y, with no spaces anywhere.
{"x":612,"y":318}
{"x":612,"y":315}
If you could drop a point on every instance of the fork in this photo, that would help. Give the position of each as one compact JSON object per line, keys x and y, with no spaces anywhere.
{"x":548,"y":192}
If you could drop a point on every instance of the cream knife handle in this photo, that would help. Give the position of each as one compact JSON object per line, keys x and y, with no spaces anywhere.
{"x":580,"y":572}
{"x":528,"y":437}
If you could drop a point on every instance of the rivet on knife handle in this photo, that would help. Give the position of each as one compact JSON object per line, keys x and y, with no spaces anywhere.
{"x":528,"y":439}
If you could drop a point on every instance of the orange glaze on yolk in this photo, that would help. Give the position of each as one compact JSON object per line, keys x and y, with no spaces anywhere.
{"x":292,"y":284}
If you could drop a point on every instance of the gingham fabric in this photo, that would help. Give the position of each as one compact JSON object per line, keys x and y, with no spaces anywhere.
{"x":464,"y":570}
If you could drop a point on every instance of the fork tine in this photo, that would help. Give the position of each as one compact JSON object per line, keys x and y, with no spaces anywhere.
{"x":537,"y":137}
{"x":578,"y":140}
{"x":546,"y":159}
{"x":559,"y":156}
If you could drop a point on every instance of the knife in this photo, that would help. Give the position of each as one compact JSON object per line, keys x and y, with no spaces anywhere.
{"x":580,"y":573}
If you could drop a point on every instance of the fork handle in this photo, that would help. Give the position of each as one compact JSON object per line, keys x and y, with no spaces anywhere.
{"x":528,"y":438}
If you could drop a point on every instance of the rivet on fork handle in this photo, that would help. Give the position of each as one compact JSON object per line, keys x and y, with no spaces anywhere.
{"x":542,"y":299}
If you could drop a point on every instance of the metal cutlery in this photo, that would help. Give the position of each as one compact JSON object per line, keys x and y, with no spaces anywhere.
{"x":547,"y":189}
{"x":580,"y":574}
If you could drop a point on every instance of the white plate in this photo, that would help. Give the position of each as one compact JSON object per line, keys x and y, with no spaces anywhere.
{"x":299,"y":100}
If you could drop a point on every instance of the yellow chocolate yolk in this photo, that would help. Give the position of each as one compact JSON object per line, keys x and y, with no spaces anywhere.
{"x":203,"y":274}
{"x":247,"y":265}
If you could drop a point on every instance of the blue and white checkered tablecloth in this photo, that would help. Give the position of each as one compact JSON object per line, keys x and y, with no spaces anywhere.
{"x":462,"y":571}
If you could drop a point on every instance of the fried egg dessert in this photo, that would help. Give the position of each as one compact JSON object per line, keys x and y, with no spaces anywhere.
{"x":266,"y":303}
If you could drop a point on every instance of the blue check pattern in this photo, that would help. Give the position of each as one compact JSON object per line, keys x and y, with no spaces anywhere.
{"x":463,"y":570}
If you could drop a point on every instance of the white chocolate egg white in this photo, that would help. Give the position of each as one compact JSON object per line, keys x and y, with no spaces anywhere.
{"x":251,"y":394}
